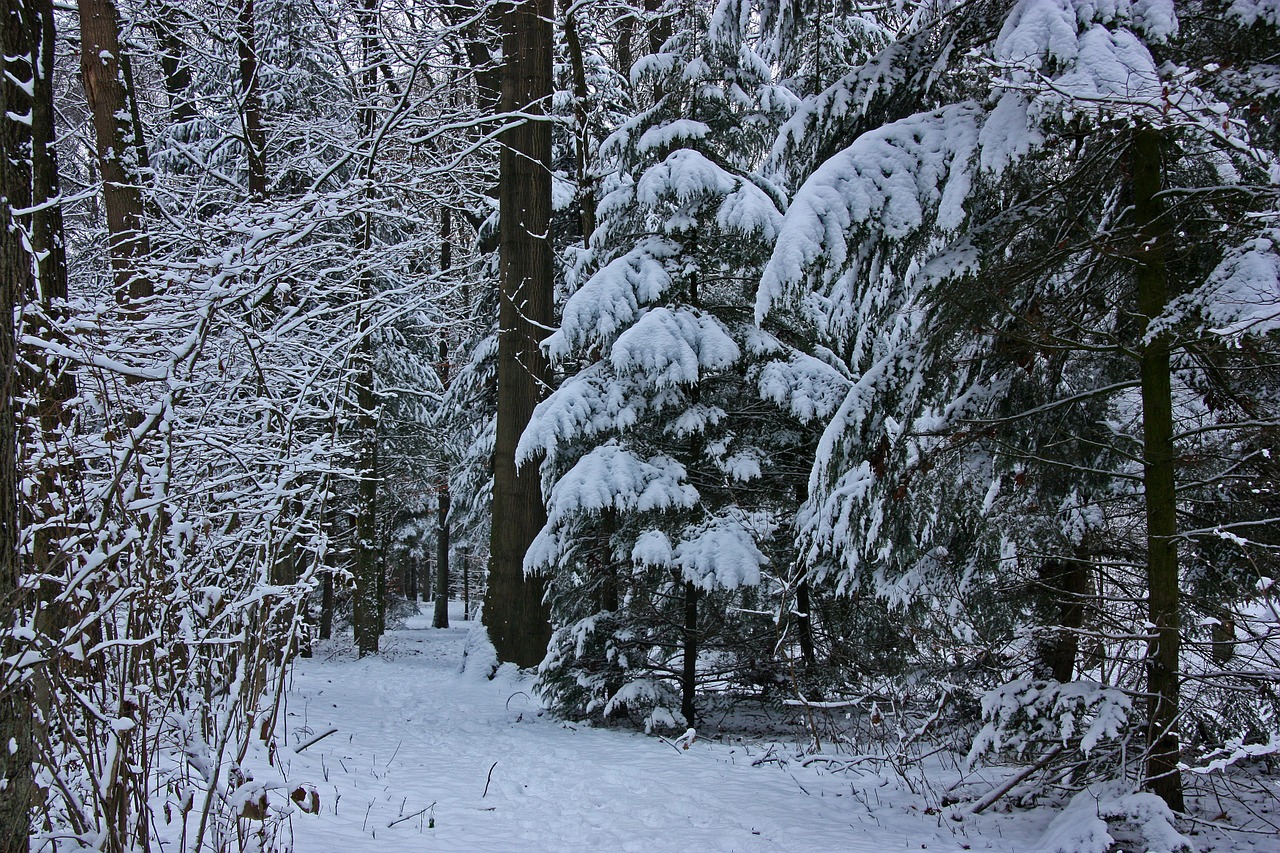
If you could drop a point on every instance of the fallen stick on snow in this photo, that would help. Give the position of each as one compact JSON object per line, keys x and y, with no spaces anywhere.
{"x":315,"y":740}
{"x":990,"y":799}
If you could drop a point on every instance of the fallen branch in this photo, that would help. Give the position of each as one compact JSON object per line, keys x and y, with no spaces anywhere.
{"x":411,"y":816}
{"x":487,"y":780}
{"x":990,"y":799}
{"x":315,"y":740}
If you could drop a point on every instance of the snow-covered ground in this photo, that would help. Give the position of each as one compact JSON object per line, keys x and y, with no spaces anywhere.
{"x":428,"y":758}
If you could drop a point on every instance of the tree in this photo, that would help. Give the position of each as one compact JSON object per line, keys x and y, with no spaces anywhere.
{"x":114,"y":131}
{"x":514,"y":612}
{"x":991,"y":272}
{"x":661,"y":458}
{"x":21,"y":30}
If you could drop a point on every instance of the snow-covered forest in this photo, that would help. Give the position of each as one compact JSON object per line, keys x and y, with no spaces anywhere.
{"x":873,"y":405}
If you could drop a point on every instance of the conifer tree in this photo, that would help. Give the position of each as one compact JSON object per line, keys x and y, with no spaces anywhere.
{"x":659,"y":450}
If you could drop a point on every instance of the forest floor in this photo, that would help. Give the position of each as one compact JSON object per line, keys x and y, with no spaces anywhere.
{"x":426,"y":757}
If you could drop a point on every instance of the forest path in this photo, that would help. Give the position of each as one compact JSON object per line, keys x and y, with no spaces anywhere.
{"x":417,"y":739}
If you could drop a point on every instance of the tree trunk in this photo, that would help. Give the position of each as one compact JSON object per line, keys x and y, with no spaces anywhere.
{"x":365,"y":605}
{"x":689,"y":677}
{"x":441,"y":616}
{"x":411,"y":572}
{"x":1158,"y":480}
{"x":365,"y":600}
{"x":174,"y":65}
{"x":48,"y":380}
{"x":514,"y":611}
{"x":121,"y":196}
{"x":622,"y":46}
{"x":255,"y":140}
{"x":586,"y":188}
{"x":16,"y":275}
{"x":441,"y":619}
{"x":1064,"y":584}
{"x":804,"y":626}
{"x":326,"y":606}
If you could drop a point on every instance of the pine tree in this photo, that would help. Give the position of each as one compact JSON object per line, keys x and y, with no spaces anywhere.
{"x":659,"y":471}
{"x":993,"y":272}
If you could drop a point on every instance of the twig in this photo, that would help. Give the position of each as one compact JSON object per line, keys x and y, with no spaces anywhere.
{"x":410,"y":816}
{"x":314,"y":740}
{"x":487,"y":780}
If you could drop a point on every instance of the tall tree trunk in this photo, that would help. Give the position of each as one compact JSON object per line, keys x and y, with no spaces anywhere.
{"x":582,"y":138}
{"x":16,"y":273}
{"x":441,"y":619}
{"x":366,"y":604}
{"x":411,"y":572}
{"x":121,"y":197}
{"x":1158,"y":479}
{"x":255,"y":139}
{"x":622,"y":46}
{"x":1063,"y":586}
{"x":326,"y":605}
{"x":689,"y":675}
{"x":514,"y":612}
{"x":804,"y":626}
{"x":174,"y":65}
{"x":48,"y":380}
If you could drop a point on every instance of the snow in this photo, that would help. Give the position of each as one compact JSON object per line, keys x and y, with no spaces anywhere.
{"x":720,"y":553}
{"x":672,"y":347}
{"x":1082,"y":825}
{"x":889,"y":179}
{"x":611,"y":299}
{"x":611,"y":477}
{"x":425,"y":757}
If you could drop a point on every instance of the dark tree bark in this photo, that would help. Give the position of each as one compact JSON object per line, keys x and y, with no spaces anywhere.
{"x":366,"y":605}
{"x":1163,"y":756}
{"x":689,"y":674}
{"x":1063,"y":587}
{"x":326,"y":605}
{"x":804,"y":626}
{"x":121,"y":197}
{"x":48,"y":380}
{"x":16,"y":274}
{"x":586,"y":187}
{"x":514,"y":612}
{"x":622,"y":46}
{"x":174,"y":65}
{"x":441,"y":616}
{"x":255,"y":139}
{"x":411,"y":571}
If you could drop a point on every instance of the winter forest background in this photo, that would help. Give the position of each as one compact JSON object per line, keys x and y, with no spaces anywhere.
{"x":892,"y":361}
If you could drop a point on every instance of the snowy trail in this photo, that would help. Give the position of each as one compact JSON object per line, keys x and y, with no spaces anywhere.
{"x":413,"y":731}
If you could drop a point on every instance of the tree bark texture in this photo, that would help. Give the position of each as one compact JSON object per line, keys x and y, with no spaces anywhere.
{"x":1163,"y":754}
{"x":582,"y":137}
{"x":441,"y":615}
{"x":689,"y":675}
{"x":121,"y":197}
{"x":174,"y":65}
{"x":1063,"y":587}
{"x":255,"y":138}
{"x":366,"y":604}
{"x":514,"y":612}
{"x":16,"y":274}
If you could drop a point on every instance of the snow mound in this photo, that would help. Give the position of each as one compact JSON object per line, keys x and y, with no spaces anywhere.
{"x":1084,"y":826}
